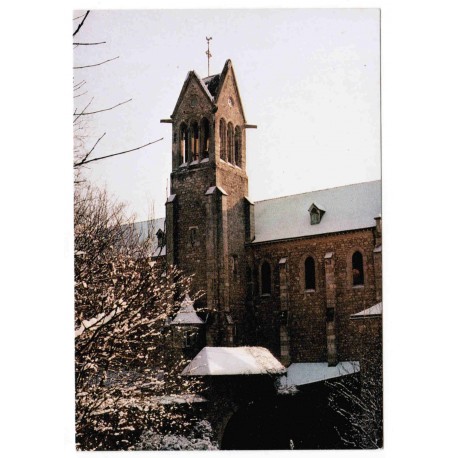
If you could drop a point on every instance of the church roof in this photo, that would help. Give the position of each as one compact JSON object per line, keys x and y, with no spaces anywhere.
{"x":299,"y":374}
{"x":347,"y":208}
{"x":234,"y":361}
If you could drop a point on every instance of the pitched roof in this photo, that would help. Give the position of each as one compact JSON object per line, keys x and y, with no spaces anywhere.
{"x":228,"y":66}
{"x":305,"y":373}
{"x":149,"y":228}
{"x":347,"y":208}
{"x":372,"y":312}
{"x":187,"y":313}
{"x":234,"y":361}
{"x":191,"y":74}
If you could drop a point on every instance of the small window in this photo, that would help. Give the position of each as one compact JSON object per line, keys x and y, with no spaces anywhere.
{"x":315,"y":215}
{"x":193,"y":236}
{"x":189,"y":338}
{"x":357,"y":268}
{"x":310,"y":273}
{"x":266,"y":280}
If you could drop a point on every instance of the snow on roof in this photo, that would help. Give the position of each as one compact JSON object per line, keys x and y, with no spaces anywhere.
{"x":187,"y":314}
{"x":375,"y":310}
{"x":204,"y":86}
{"x":178,"y":399}
{"x":234,"y":361}
{"x":149,"y":227}
{"x":305,"y":373}
{"x":160,"y":251}
{"x":347,"y":208}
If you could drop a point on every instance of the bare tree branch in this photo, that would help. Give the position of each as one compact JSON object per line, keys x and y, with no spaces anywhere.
{"x":99,"y":111}
{"x":81,"y":23}
{"x":89,"y":44}
{"x":83,"y":162}
{"x":79,"y":85}
{"x":95,"y":65}
{"x":78,"y":17}
{"x":92,"y":149}
{"x":83,"y":112}
{"x":79,"y":95}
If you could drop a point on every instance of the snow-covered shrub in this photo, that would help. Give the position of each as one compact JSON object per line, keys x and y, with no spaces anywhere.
{"x":124,"y":357}
{"x":199,"y":438}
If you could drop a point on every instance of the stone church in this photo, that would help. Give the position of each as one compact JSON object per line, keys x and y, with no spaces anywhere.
{"x":288,"y":274}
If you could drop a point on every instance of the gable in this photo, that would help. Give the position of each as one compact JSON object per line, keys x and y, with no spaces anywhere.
{"x":194,"y":96}
{"x":227,"y":96}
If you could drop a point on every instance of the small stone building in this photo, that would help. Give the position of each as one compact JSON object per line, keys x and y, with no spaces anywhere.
{"x":286,"y":273}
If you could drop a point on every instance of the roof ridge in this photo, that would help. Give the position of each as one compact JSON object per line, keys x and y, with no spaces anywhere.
{"x":316,"y":190}
{"x":210,"y":76}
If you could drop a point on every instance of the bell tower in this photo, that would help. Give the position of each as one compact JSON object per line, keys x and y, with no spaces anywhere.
{"x":207,"y":213}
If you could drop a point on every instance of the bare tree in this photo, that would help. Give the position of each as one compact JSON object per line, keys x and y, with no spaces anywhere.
{"x":358,"y":399}
{"x":82,"y":150}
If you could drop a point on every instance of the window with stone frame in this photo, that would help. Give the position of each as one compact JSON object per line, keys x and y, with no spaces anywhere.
{"x":230,"y":143}
{"x":266,"y":278}
{"x":357,"y":269}
{"x":309,"y":269}
{"x":193,"y":236}
{"x":238,"y":146}
{"x":184,"y":146}
{"x":194,"y":141}
{"x":205,"y":135}
{"x":222,"y":140}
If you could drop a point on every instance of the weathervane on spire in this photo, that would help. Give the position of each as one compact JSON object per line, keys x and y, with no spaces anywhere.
{"x":208,"y":53}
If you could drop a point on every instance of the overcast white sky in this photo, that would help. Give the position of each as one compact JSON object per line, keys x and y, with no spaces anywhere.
{"x":309,"y":79}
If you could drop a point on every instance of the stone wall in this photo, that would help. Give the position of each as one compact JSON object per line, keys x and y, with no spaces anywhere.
{"x":306,"y":310}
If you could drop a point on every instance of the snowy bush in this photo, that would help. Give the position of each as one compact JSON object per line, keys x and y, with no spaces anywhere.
{"x":199,"y":438}
{"x":124,"y":357}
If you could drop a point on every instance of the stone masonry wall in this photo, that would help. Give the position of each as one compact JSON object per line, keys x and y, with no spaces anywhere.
{"x":306,"y":318}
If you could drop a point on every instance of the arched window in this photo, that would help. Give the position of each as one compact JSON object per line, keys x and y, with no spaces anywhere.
{"x":310,"y":273}
{"x":205,"y":130}
{"x":238,"y":146}
{"x":222,"y":139}
{"x":357,"y":268}
{"x":265,"y":278}
{"x":184,"y":143}
{"x":194,"y":141}
{"x":230,"y":143}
